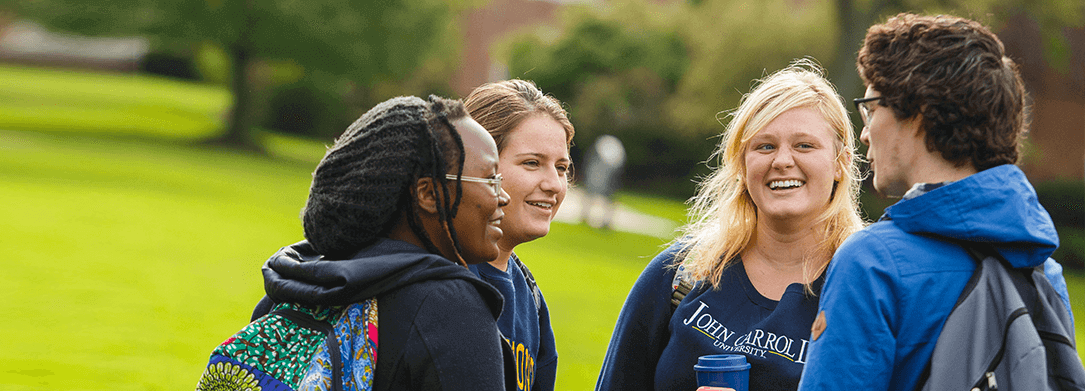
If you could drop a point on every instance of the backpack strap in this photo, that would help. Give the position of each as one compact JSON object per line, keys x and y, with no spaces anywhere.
{"x":681,"y":285}
{"x":308,"y":321}
{"x":530,"y":279}
{"x":1031,"y":316}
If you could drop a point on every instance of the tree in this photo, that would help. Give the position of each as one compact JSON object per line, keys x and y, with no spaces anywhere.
{"x":664,"y":76}
{"x":614,"y":68}
{"x":368,"y":43}
{"x":855,"y":16}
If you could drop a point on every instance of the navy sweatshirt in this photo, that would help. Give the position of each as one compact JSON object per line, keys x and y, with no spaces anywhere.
{"x":525,"y":326}
{"x":653,"y":349}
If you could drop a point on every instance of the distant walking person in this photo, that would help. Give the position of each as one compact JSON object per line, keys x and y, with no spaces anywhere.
{"x":399,"y":206}
{"x":944,"y":116}
{"x":533,"y":135}
{"x":604,"y":164}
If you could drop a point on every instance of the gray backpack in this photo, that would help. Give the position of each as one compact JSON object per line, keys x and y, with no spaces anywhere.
{"x":1009,"y":330}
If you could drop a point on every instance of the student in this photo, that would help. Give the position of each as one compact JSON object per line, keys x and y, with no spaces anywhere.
{"x":764,"y":226}
{"x":533,"y":135}
{"x":402,"y":202}
{"x":944,"y":115}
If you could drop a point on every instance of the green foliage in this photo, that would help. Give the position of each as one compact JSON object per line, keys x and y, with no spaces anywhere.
{"x":212,"y":63}
{"x":311,"y":106}
{"x":735,"y":42}
{"x":1065,"y":202}
{"x":368,"y":43}
{"x":656,"y":76}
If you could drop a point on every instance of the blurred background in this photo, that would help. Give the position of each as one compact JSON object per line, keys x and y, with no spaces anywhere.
{"x":153,"y":153}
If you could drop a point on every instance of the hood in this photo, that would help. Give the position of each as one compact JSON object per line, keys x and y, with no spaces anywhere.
{"x":298,"y":274}
{"x":996,"y":206}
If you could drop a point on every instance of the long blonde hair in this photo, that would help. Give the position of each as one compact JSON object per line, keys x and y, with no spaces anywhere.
{"x":723,"y":217}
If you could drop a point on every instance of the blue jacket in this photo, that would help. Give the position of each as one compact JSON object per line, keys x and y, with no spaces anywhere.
{"x":890,"y":287}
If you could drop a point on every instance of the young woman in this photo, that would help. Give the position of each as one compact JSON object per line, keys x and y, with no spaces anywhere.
{"x":405,"y":199}
{"x":764,"y":225}
{"x":533,"y":135}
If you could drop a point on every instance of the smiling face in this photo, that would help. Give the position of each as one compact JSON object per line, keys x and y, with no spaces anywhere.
{"x":791,"y":166}
{"x":480,"y":210}
{"x":534,"y":166}
{"x":893,"y":148}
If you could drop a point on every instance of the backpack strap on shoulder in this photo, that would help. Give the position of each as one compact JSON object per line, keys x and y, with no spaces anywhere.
{"x":530,"y":279}
{"x":681,"y":285}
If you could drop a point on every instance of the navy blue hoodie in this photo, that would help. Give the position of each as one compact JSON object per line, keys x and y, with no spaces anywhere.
{"x":437,"y":322}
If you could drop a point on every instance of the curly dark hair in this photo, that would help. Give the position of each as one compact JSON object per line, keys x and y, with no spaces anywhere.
{"x":364,"y":183}
{"x":954,"y":75}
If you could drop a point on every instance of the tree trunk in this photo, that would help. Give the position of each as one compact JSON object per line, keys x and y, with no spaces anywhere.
{"x":239,"y":129}
{"x":852,"y":29}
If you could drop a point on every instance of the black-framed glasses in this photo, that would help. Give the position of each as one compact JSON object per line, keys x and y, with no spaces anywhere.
{"x":863,"y":105}
{"x":495,"y":182}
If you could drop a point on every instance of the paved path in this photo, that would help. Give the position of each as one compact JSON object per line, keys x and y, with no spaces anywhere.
{"x":624,"y":219}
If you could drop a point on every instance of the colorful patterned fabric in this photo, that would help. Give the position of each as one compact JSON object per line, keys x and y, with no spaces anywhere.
{"x":288,"y":350}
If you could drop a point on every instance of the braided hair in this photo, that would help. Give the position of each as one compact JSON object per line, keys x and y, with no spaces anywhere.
{"x":366,"y":180}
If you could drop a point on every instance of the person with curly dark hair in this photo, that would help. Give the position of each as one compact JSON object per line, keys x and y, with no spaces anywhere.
{"x":405,"y":199}
{"x":944,"y":115}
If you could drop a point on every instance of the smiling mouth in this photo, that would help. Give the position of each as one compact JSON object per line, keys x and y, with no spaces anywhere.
{"x":544,"y":205}
{"x":788,"y":184}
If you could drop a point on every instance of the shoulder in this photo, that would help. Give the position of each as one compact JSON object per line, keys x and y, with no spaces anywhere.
{"x":455,"y":298}
{"x":667,"y":261}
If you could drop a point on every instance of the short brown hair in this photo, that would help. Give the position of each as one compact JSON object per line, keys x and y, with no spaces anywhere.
{"x":954,"y":75}
{"x":501,"y":106}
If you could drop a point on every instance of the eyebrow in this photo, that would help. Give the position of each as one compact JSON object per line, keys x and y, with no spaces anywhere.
{"x":540,"y":155}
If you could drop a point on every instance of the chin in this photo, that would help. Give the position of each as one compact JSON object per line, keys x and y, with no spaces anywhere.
{"x":536,"y":232}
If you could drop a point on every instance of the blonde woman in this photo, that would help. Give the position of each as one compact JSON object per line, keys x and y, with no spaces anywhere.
{"x":764,"y":226}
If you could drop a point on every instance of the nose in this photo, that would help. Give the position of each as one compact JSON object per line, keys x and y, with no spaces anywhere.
{"x":503,"y":199}
{"x":552,"y":181}
{"x":783,"y":159}
{"x":864,"y":136}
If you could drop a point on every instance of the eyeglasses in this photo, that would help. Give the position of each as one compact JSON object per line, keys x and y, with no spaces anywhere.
{"x":495,"y":182}
{"x":863,"y":105}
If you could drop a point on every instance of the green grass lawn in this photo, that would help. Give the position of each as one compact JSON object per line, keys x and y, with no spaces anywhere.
{"x":57,"y":100}
{"x":127,"y":259}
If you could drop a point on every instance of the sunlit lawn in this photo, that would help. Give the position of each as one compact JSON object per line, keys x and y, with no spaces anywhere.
{"x":127,"y":259}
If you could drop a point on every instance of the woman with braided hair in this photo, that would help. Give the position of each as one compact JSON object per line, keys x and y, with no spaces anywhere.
{"x":402,"y":202}
{"x":533,"y":135}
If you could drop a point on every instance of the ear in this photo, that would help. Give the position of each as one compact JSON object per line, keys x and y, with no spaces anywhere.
{"x":424,"y":193}
{"x":913,"y":126}
{"x":840,"y":170}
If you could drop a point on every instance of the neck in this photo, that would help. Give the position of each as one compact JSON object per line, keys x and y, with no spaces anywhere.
{"x":402,"y":231}
{"x":925,"y":166}
{"x":502,"y":261}
{"x":784,"y":249}
{"x":932,"y":168}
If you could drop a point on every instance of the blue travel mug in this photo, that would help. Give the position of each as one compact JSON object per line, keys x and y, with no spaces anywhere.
{"x":723,"y":370}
